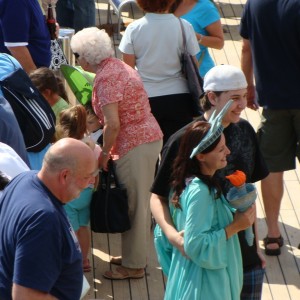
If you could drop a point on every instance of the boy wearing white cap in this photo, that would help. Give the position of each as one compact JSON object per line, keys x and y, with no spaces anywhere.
{"x":221,"y":84}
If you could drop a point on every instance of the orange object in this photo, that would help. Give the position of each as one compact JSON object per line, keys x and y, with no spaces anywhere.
{"x":237,"y":178}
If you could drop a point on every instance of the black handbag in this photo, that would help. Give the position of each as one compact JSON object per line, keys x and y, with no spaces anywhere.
{"x":191,"y":73}
{"x":109,"y":205}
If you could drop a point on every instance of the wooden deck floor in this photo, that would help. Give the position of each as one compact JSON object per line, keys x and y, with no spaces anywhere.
{"x":282,"y":280}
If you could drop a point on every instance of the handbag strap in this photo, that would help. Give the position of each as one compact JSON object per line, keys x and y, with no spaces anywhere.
{"x":184,"y":43}
{"x":183,"y":34}
{"x":112,"y":176}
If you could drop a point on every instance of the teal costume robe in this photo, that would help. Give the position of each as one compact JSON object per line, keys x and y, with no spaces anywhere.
{"x":214,"y":268}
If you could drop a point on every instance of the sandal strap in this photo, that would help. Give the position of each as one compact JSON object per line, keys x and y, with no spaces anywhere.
{"x":271,"y":240}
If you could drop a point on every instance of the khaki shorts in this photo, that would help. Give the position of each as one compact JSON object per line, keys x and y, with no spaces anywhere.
{"x":278,"y":137}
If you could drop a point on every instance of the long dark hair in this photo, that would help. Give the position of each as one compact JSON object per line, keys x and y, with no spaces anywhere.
{"x":184,"y":167}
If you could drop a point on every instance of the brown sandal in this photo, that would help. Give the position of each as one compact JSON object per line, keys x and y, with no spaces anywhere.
{"x":121,"y":273}
{"x":273,"y":252}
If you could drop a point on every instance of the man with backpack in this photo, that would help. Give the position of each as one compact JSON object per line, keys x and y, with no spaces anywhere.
{"x":33,"y":113}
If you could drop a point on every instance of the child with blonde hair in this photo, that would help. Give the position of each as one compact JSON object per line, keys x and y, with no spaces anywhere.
{"x":72,"y":123}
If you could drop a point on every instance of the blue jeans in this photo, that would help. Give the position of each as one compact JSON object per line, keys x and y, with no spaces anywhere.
{"x":77,"y":14}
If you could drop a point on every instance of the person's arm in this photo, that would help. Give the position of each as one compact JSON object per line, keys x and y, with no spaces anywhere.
{"x":247,"y":68}
{"x":161,"y":213}
{"x":259,"y":252}
{"x":215,"y":37}
{"x":23,"y":56}
{"x":129,"y":59}
{"x":23,"y":293}
{"x":110,"y":132}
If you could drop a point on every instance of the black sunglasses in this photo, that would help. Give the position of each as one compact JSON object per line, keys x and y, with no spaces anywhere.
{"x":76,"y":55}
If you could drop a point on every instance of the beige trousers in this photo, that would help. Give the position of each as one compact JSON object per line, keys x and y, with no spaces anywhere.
{"x":136,"y":171}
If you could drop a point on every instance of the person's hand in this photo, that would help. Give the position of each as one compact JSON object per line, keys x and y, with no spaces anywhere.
{"x":57,"y":30}
{"x":243,"y":220}
{"x":103,"y":160}
{"x":251,"y":99}
{"x":177,"y":241}
{"x":262,"y":258}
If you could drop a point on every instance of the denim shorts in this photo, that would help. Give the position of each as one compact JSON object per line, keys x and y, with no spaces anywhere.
{"x":78,"y":210}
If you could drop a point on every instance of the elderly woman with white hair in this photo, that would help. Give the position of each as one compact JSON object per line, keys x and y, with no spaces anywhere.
{"x":131,"y":136}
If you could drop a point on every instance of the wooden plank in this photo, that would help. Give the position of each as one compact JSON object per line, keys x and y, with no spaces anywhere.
{"x":277,"y":288}
{"x":121,"y":288}
{"x":103,"y":287}
{"x":155,"y":281}
{"x":291,"y":225}
{"x":287,"y":258}
{"x":219,"y":56}
{"x":276,"y":283}
{"x":139,"y":289}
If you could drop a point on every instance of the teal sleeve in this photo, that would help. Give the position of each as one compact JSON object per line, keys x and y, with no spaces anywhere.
{"x":204,"y":239}
{"x":163,"y":249}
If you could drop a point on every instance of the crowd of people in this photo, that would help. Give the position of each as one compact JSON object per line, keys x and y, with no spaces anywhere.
{"x":172,"y":161}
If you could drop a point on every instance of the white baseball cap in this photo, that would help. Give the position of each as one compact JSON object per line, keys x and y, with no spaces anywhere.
{"x":224,"y":78}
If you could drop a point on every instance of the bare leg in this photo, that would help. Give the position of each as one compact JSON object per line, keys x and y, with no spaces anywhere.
{"x":272,"y":192}
{"x":83,"y":235}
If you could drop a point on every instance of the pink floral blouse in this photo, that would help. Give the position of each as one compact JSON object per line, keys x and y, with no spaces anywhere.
{"x":115,"y":81}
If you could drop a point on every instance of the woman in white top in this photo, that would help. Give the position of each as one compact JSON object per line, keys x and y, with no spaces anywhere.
{"x":153,"y":45}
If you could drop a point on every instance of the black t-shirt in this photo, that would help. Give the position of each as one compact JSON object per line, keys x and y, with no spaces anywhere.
{"x":245,"y":156}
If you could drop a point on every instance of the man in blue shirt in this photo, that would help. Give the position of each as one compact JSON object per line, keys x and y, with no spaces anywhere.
{"x":271,"y":52}
{"x":40,"y":257}
{"x":24,"y":33}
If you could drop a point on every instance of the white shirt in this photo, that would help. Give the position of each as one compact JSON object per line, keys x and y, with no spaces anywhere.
{"x":11,"y":164}
{"x":156,"y":41}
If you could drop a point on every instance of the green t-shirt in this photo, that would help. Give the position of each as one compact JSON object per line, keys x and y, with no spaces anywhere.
{"x":60,"y":105}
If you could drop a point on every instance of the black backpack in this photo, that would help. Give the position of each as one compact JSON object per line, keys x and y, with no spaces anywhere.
{"x":33,"y":113}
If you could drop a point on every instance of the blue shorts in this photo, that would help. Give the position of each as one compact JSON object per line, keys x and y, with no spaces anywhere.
{"x":78,"y":210}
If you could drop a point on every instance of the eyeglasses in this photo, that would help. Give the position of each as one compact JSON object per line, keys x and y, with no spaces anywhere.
{"x":76,"y":55}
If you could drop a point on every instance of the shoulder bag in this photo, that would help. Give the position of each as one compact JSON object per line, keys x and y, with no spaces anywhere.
{"x":191,"y":73}
{"x":109,"y":205}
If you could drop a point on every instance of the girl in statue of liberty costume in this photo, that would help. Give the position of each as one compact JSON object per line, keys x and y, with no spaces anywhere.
{"x":213,"y":269}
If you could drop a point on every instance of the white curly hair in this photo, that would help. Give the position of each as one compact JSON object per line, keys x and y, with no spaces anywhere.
{"x":93,"y":44}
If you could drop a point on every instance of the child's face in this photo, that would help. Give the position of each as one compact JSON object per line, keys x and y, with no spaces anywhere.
{"x":92,"y":123}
